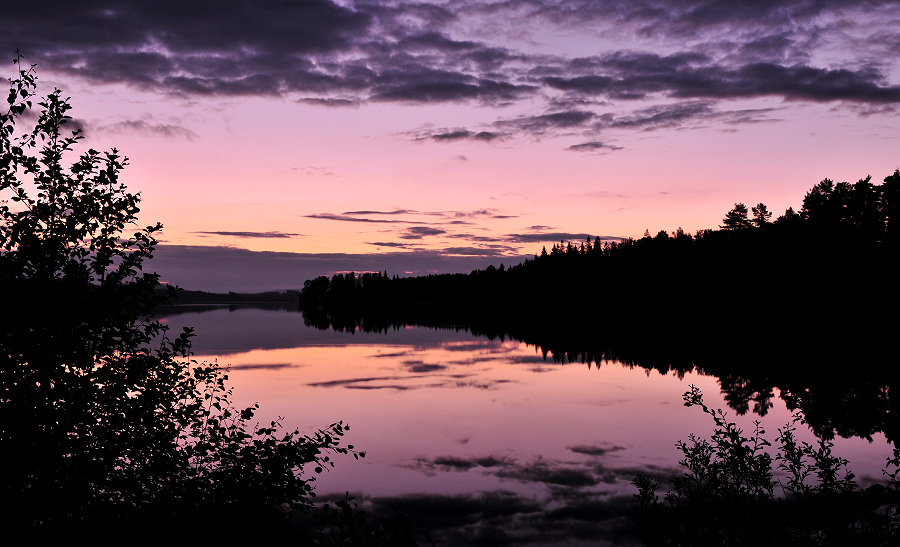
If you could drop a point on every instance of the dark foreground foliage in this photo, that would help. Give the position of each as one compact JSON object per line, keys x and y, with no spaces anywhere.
{"x":345,"y":524}
{"x":729,"y":496}
{"x":106,"y":424}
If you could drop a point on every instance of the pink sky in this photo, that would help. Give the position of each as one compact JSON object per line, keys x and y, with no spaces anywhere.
{"x":493,"y":129}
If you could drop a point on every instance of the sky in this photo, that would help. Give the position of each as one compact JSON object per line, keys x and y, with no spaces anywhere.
{"x":281,"y":140}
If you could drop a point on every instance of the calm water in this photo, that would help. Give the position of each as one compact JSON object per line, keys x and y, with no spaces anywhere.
{"x":485,"y":439}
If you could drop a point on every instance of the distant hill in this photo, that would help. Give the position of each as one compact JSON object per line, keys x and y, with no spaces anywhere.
{"x":192,"y":298}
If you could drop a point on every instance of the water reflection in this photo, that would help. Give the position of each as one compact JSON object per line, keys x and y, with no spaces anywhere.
{"x":233,"y":329}
{"x":842,"y":388}
{"x":489,"y":440}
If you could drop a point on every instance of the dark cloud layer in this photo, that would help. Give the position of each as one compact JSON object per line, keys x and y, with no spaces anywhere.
{"x":590,"y":450}
{"x":463,"y":134}
{"x":349,"y":218}
{"x":143,"y":127}
{"x":394,"y":212}
{"x":630,"y":76}
{"x":262,"y":235}
{"x":418,"y":232}
{"x":393,"y":244}
{"x":592,"y":146}
{"x":331,"y":102}
{"x":265,"y":366}
{"x":541,"y":237}
{"x":546,"y":122}
{"x":319,"y":52}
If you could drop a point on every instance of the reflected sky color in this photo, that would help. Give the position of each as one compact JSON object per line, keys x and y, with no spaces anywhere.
{"x":443,"y":412}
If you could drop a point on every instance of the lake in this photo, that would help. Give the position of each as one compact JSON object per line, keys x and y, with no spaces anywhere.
{"x":488,"y":441}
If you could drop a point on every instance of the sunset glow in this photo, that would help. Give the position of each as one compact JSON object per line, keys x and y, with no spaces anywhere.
{"x":446,"y":136}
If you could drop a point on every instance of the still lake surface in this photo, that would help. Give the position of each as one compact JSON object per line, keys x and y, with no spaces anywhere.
{"x":487,"y":440}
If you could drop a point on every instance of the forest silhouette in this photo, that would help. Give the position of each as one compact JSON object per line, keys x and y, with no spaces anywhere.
{"x":829,"y":264}
{"x":802,"y":304}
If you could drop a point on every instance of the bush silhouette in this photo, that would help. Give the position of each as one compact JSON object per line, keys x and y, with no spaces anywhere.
{"x":728,"y":494}
{"x":105,"y":422}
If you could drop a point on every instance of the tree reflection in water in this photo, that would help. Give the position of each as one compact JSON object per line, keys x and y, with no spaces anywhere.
{"x":580,"y":492}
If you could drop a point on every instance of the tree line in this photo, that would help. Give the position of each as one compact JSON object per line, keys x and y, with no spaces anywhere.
{"x":801,"y":302}
{"x":832,"y":259}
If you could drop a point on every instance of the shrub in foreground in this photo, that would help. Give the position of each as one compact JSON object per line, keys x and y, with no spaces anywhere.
{"x":105,"y":422}
{"x":729,"y":495}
